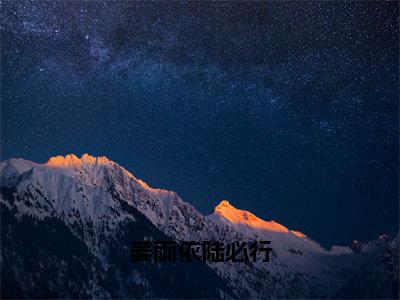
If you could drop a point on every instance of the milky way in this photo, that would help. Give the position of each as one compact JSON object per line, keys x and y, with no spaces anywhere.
{"x":287,"y":109}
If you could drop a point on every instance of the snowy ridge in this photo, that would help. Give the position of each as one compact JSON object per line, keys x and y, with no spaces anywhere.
{"x":256,"y":228}
{"x":93,"y":195}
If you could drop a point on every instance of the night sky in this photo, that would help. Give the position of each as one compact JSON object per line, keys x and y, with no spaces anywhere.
{"x":287,"y":109}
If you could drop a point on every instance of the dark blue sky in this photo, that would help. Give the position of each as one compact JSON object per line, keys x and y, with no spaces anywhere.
{"x":287,"y":109}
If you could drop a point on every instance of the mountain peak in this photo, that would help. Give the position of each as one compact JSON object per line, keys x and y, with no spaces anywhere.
{"x":223,"y":203}
{"x":225,"y":210}
{"x":73,"y":160}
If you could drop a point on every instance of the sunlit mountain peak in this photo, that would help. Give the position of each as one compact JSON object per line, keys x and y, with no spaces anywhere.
{"x":243,"y":217}
{"x":92,"y":163}
{"x":73,"y":160}
{"x":222,"y":204}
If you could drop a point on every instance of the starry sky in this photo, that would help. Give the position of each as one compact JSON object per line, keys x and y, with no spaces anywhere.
{"x":287,"y":109}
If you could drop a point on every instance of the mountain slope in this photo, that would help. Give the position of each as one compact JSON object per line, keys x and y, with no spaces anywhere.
{"x":90,"y":228}
{"x":104,"y":207}
{"x":250,"y":225}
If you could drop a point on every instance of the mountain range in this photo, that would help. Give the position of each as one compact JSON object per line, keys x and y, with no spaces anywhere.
{"x":67,"y":225}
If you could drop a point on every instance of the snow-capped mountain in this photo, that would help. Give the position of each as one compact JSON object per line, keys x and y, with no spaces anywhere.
{"x":253,"y":227}
{"x":99,"y":204}
{"x":89,"y":209}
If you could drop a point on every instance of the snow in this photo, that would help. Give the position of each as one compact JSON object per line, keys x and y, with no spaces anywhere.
{"x":238,"y":216}
{"x":255,"y":228}
{"x":338,"y":250}
{"x":89,"y":191}
{"x":14,"y":167}
{"x":298,"y":233}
